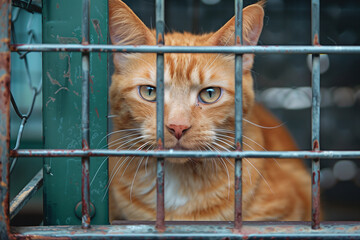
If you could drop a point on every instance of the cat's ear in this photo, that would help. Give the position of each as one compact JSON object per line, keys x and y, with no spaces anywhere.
{"x":253,"y":16}
{"x":126,"y":28}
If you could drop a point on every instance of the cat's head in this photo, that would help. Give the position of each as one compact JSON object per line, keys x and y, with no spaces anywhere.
{"x":199,"y":88}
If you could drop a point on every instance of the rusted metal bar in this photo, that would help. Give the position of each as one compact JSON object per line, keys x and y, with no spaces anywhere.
{"x":5,"y":9}
{"x":315,"y":123}
{"x":85,"y":161}
{"x":26,"y":194}
{"x":238,"y":116}
{"x":305,"y":49}
{"x":198,"y":230}
{"x":160,"y":39}
{"x":183,"y":154}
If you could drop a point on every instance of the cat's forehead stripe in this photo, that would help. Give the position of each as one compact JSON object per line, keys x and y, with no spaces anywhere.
{"x":185,"y":67}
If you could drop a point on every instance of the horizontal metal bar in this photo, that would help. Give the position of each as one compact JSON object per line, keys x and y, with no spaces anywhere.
{"x":306,"y":49}
{"x":26,"y":194}
{"x":199,"y":230}
{"x":183,"y":154}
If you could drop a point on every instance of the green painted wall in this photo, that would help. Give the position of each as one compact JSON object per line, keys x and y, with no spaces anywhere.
{"x":62,"y":110}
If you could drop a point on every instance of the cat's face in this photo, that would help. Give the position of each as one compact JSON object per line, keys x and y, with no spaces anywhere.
{"x":199,"y":88}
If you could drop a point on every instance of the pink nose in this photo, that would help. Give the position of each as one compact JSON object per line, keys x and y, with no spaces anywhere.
{"x":177,"y":130}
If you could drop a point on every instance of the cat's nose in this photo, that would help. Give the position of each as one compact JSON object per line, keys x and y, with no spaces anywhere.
{"x":177,"y":130}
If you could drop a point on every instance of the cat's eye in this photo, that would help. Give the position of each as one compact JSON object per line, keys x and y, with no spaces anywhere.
{"x":210,"y":95}
{"x":148,"y":93}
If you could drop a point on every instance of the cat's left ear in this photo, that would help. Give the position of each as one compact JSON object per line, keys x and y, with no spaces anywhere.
{"x":253,"y":16}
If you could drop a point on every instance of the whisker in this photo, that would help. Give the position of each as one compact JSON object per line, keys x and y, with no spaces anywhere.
{"x":97,"y":171}
{"x":262,"y":176}
{"x":128,"y":142}
{"x":146,"y":162}
{"x":247,"y":138}
{"x":112,"y":116}
{"x":123,"y":130}
{"x":260,"y":147}
{"x":247,"y":169}
{"x":133,"y":181}
{"x":118,"y":141}
{"x":114,"y":173}
{"x":265,"y":127}
{"x":225,"y":167}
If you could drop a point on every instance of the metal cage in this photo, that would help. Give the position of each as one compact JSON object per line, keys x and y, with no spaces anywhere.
{"x":160,"y":228}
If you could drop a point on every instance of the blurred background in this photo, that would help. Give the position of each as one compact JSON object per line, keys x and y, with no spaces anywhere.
{"x":282,"y":83}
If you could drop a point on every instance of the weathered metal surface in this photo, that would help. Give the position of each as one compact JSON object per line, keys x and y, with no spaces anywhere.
{"x":5,"y":9}
{"x":85,"y":161}
{"x":62,"y":104}
{"x":160,"y":194}
{"x":315,"y":114}
{"x":199,"y":230}
{"x":238,"y":115}
{"x":305,"y":49}
{"x":26,"y":194}
{"x":184,"y":154}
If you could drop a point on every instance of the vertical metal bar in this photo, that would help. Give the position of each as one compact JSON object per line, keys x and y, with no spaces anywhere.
{"x":238,"y":115}
{"x":315,"y":204}
{"x":5,"y":9}
{"x":160,"y":28}
{"x":85,"y":182}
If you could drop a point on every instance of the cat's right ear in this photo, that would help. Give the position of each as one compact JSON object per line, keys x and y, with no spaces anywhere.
{"x":126,"y":28}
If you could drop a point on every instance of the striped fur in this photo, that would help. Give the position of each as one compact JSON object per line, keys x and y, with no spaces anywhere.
{"x":197,"y":189}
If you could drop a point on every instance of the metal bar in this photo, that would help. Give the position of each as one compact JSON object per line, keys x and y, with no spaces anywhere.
{"x":305,"y":49}
{"x":238,"y":116}
{"x":28,"y":7}
{"x":160,"y":39}
{"x":315,"y":124}
{"x":85,"y":161}
{"x":26,"y":194}
{"x":183,"y":154}
{"x":200,"y":230}
{"x":5,"y":9}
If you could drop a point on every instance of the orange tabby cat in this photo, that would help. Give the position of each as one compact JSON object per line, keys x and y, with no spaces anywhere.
{"x":199,"y":115}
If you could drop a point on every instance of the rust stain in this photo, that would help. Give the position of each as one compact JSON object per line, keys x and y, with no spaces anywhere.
{"x":238,"y":42}
{"x":96,"y":25}
{"x":76,"y":93}
{"x":160,"y":144}
{"x":62,"y":88}
{"x":85,"y":144}
{"x":160,"y":39}
{"x":52,"y":80}
{"x":97,"y":112}
{"x":51,"y":99}
{"x":4,"y":93}
{"x":316,"y":145}
{"x":316,"y":40}
{"x":5,"y":41}
{"x":238,"y":146}
{"x":68,"y":73}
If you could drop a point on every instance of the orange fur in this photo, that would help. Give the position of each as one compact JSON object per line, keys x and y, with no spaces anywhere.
{"x":196,"y":189}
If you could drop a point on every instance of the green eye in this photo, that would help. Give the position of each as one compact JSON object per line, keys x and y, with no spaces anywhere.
{"x":148,"y":93}
{"x":209,"y":95}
